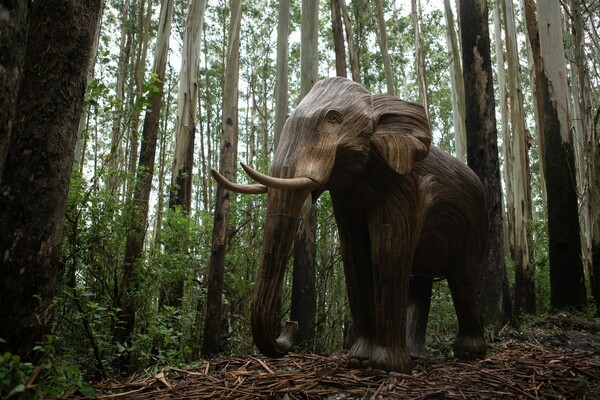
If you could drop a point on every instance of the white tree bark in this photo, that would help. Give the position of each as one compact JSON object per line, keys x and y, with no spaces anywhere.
{"x":520,"y":173}
{"x":420,"y":57}
{"x":536,"y":119}
{"x":458,"y":87}
{"x":550,"y":28}
{"x":507,"y":150}
{"x":387,"y":65}
{"x":281,"y":84}
{"x":187,"y":99}
{"x":585,"y":147}
{"x":352,"y":51}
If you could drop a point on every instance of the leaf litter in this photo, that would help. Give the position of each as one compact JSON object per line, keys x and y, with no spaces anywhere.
{"x":513,"y":369}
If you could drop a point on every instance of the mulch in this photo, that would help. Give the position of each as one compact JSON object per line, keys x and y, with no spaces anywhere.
{"x":513,"y":369}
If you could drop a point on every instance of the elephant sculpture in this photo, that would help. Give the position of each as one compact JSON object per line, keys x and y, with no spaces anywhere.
{"x":407,"y":213}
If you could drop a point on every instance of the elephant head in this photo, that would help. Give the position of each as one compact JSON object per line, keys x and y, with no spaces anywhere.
{"x":327,"y":142}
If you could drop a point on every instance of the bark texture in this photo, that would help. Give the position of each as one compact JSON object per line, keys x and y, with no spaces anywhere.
{"x":281,"y":85}
{"x":33,"y":194}
{"x":482,"y":152}
{"x":524,"y":288}
{"x":13,"y":35}
{"x":338,"y":38}
{"x":458,"y":86}
{"x":228,"y":155}
{"x":383,"y":47}
{"x":143,"y":185}
{"x":567,"y":286}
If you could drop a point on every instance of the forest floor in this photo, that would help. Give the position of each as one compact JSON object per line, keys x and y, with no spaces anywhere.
{"x":560,"y":359}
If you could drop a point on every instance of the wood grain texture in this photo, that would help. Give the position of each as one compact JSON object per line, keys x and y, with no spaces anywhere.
{"x":403,"y":207}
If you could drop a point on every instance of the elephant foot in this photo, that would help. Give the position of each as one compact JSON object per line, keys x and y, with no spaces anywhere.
{"x":417,"y":350}
{"x":390,"y":360}
{"x":469,"y":347}
{"x":359,"y":354}
{"x":377,"y":359}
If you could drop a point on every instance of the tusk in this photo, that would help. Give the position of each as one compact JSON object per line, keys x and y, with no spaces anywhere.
{"x":234,"y":187}
{"x":280,"y":183}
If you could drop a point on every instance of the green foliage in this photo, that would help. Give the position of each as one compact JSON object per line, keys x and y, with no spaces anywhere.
{"x":540,"y":263}
{"x":442,"y":325}
{"x":14,"y":376}
{"x":333,"y":313}
{"x":150,"y":89}
{"x":54,"y":376}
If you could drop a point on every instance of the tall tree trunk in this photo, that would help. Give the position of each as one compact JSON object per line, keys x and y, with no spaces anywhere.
{"x":524,"y":289}
{"x":116,"y":151}
{"x":281,"y":83}
{"x":304,"y":296}
{"x":163,"y":144}
{"x":13,"y":33}
{"x":205,"y":137}
{"x":458,"y":86}
{"x":139,"y":69}
{"x":78,"y":160}
{"x":139,"y":211}
{"x":531,"y":55}
{"x":33,"y":195}
{"x":187,"y":101}
{"x":566,"y":267}
{"x":229,"y":140}
{"x":352,"y":48}
{"x":420,"y":56}
{"x":339,"y":47}
{"x":507,"y":148}
{"x":589,"y":193}
{"x":387,"y":65}
{"x":185,"y":134}
{"x":482,"y":153}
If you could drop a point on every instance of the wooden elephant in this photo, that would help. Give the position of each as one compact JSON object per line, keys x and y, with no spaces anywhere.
{"x":407,"y":213}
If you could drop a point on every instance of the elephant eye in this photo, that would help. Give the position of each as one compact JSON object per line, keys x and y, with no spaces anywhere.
{"x":334,"y":117}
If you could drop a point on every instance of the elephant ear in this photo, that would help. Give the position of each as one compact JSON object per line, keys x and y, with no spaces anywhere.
{"x":401,"y":132}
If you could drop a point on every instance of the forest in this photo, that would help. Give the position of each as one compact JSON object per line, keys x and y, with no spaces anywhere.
{"x":120,"y":253}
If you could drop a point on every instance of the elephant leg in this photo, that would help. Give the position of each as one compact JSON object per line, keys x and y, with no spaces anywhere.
{"x":469,"y":342}
{"x":392,"y":260}
{"x":419,"y":301}
{"x":359,"y":286}
{"x":356,"y":255}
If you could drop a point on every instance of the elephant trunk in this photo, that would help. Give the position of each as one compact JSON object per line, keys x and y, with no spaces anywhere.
{"x":283,"y":209}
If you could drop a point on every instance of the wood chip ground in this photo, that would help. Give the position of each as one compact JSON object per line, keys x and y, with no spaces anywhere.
{"x":513,"y":370}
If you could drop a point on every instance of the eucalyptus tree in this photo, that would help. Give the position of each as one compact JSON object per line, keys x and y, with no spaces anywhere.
{"x":185,"y":131}
{"x":339,"y":47}
{"x":116,"y":150}
{"x":482,"y":152}
{"x":566,"y":267}
{"x":352,"y":47}
{"x":522,"y":209}
{"x":13,"y":33}
{"x":282,"y":76}
{"x":128,"y":297}
{"x":507,"y":146}
{"x":587,"y":141}
{"x":517,"y":195}
{"x":144,"y":15}
{"x":383,"y":47}
{"x":419,"y":56}
{"x":33,"y":195}
{"x":457,"y":84}
{"x":78,"y":160}
{"x":228,"y":154}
